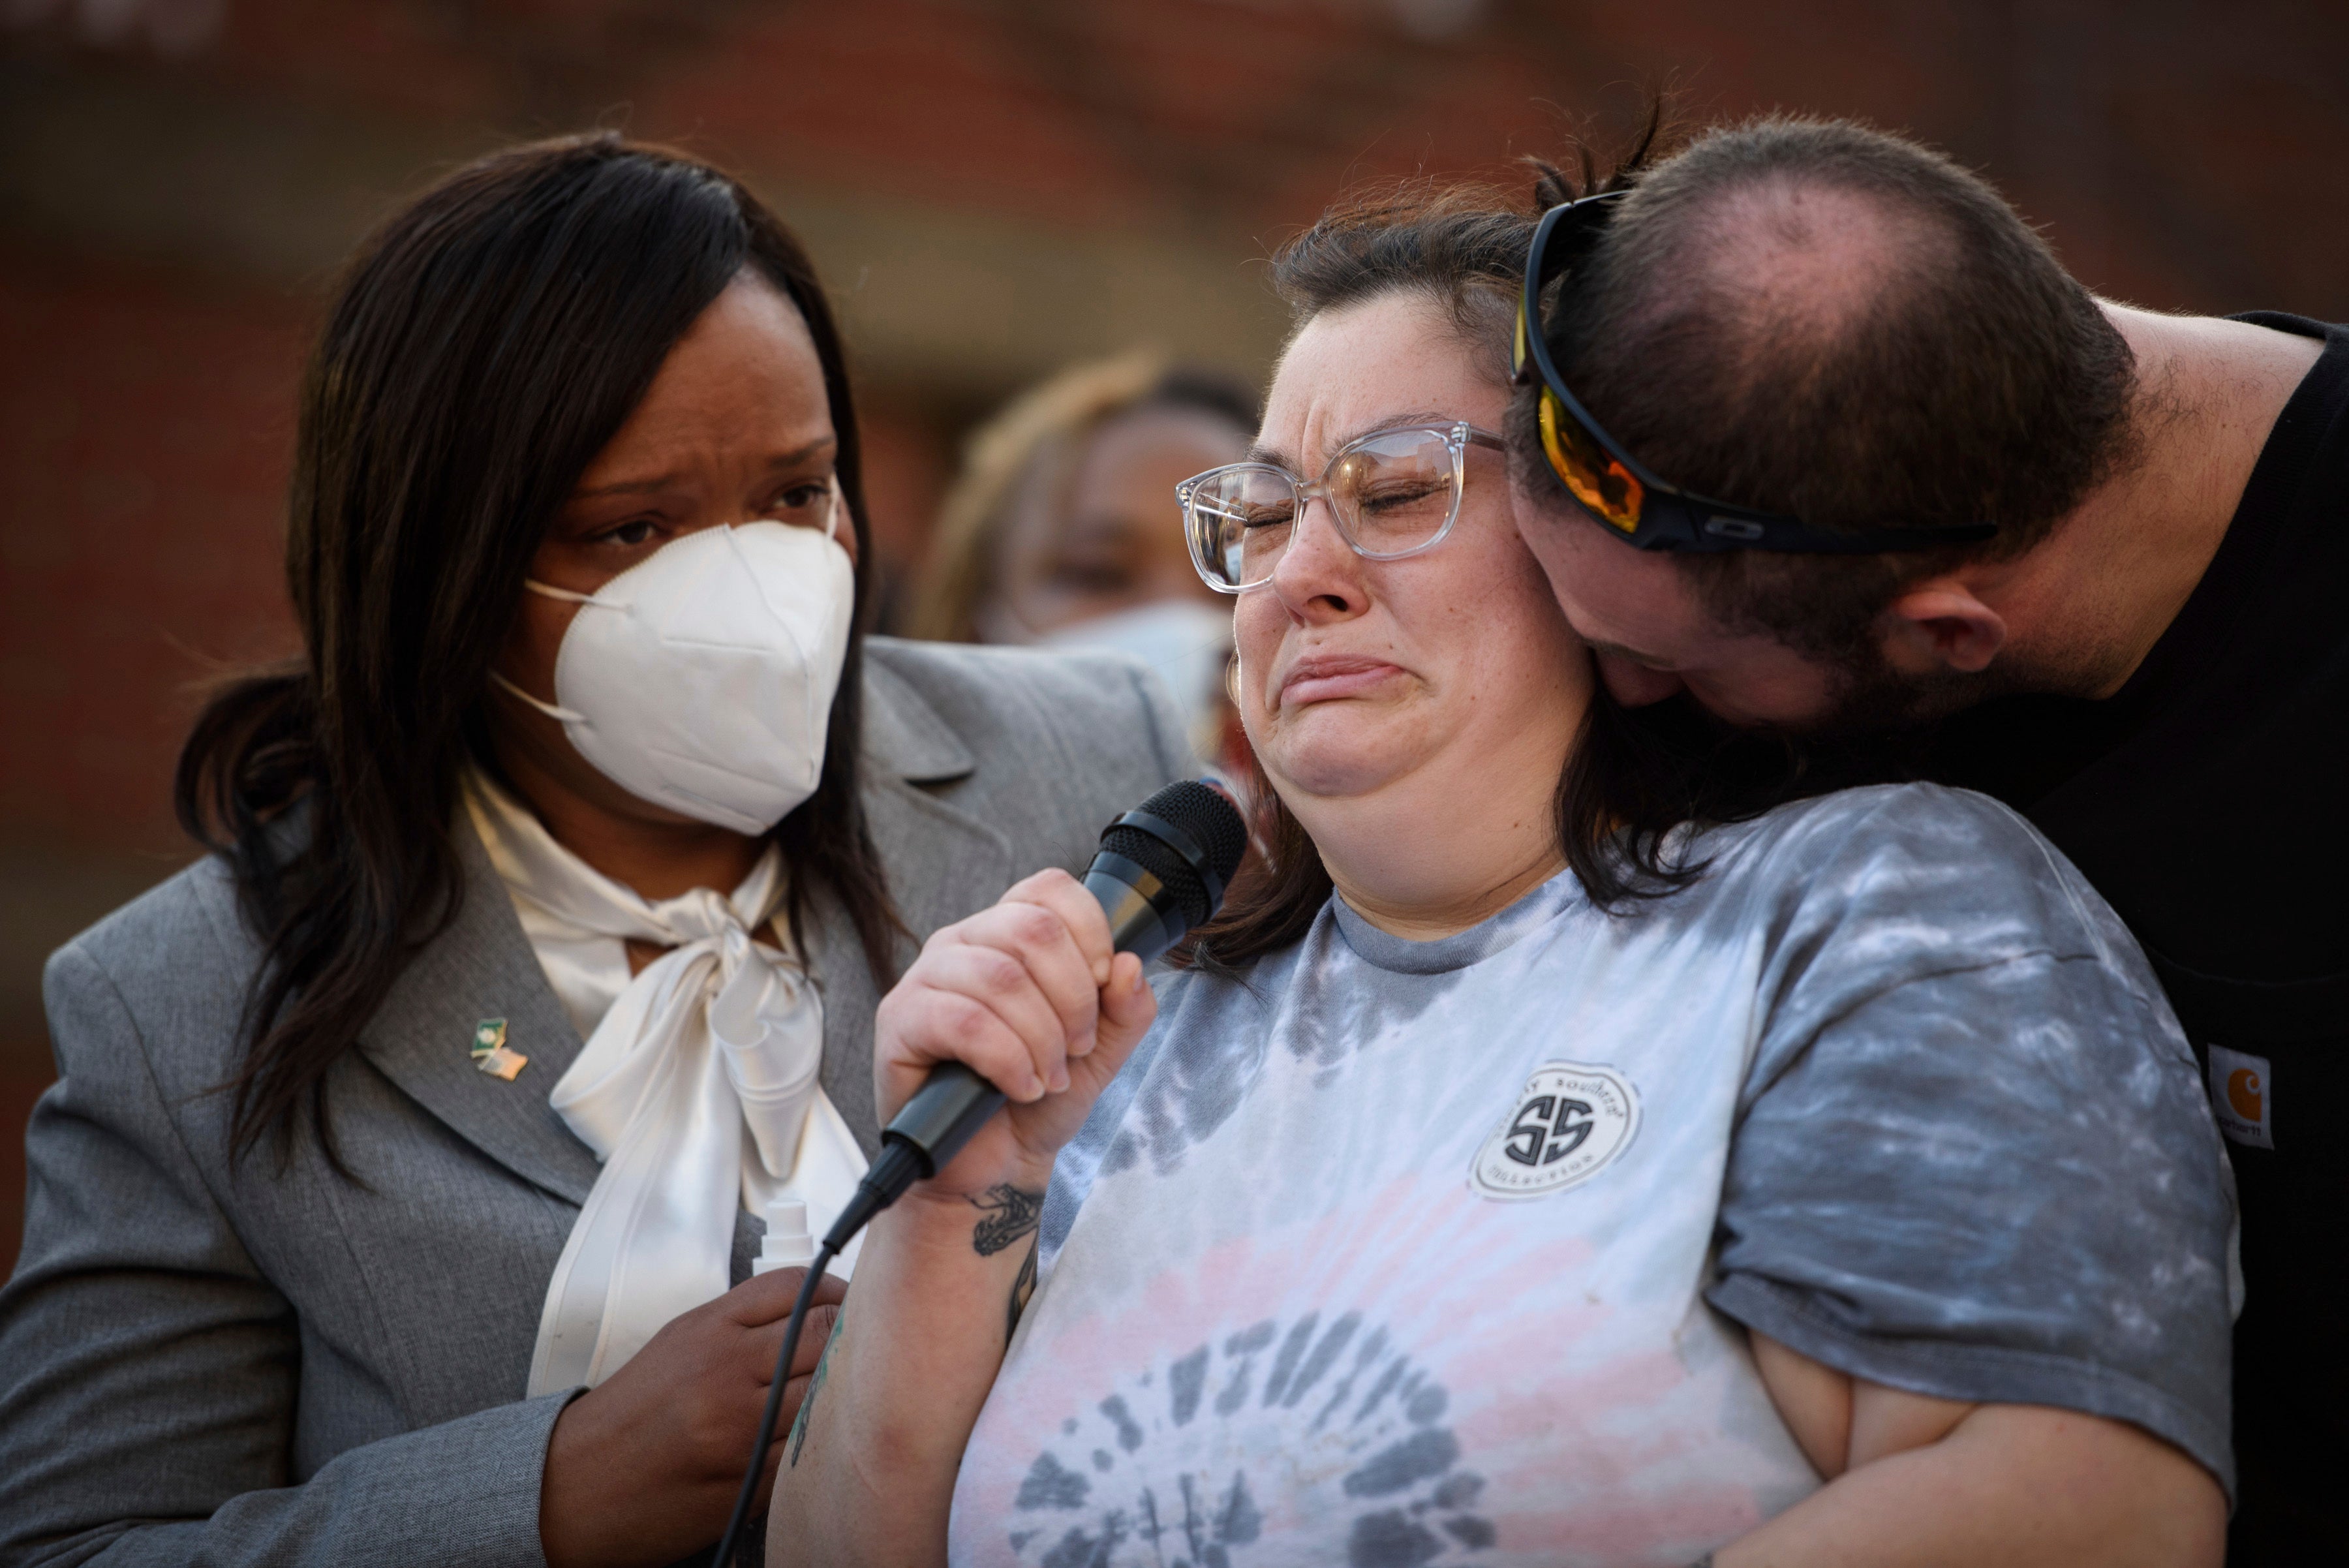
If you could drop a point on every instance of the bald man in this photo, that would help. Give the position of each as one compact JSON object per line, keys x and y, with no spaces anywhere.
{"x":1828,"y":441}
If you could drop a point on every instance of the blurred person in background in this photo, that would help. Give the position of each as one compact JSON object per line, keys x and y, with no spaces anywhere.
{"x":1829,"y":443}
{"x":1056,"y":534}
{"x":396,"y":1197}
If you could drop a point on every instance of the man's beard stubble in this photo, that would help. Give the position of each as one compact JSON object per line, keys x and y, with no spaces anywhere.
{"x":1879,"y":724}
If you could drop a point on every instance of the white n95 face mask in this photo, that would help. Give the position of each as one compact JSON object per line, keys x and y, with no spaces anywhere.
{"x":1186,"y":643}
{"x":701,"y":678}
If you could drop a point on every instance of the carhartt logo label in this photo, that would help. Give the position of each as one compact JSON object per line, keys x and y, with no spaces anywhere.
{"x":2242,"y":1096}
{"x":1570,"y":1122}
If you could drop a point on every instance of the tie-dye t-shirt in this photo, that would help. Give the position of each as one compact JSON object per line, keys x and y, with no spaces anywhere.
{"x":1409,"y":1252}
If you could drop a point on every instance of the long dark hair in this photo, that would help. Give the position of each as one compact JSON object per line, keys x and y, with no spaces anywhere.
{"x":1634,"y":775}
{"x":483,"y":346}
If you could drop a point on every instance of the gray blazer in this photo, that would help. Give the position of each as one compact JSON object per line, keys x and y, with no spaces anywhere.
{"x":205,"y":1361}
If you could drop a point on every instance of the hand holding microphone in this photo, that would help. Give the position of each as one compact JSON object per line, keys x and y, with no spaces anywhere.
{"x":1032,"y":998}
{"x":1017,"y":1009}
{"x":1029,"y":1007}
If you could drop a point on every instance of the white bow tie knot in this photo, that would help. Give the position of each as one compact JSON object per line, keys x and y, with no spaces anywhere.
{"x":699,"y":1090}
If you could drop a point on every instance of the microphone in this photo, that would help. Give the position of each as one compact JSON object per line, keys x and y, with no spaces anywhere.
{"x":1161,"y":870}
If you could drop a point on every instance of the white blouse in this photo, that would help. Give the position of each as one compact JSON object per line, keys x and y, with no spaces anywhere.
{"x":697,"y":1087}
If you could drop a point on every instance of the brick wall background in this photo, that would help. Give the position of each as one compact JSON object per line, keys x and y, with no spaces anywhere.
{"x":993,"y":187}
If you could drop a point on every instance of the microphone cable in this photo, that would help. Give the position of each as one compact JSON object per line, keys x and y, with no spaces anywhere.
{"x":749,"y":1492}
{"x":900,"y":1166}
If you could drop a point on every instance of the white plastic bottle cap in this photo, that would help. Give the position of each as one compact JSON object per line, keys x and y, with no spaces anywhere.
{"x":788,"y":1243}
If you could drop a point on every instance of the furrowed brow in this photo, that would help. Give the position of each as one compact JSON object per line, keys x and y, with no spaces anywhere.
{"x":797,"y":455}
{"x":658,"y":483}
{"x":1408,"y":420}
{"x":652,"y":486}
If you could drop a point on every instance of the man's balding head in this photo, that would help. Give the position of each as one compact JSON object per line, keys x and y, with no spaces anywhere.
{"x":1817,"y":319}
{"x":1779,"y":261}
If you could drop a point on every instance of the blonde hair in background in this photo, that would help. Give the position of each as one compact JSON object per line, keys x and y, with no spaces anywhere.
{"x":1001,"y":460}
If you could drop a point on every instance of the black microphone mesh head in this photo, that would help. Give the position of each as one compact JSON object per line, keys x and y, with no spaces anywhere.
{"x":1213,"y":824}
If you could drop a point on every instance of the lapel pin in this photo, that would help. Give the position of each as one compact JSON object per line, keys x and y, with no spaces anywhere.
{"x":490,"y":1055}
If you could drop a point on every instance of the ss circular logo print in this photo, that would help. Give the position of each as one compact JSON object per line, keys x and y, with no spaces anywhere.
{"x":1570,"y":1122}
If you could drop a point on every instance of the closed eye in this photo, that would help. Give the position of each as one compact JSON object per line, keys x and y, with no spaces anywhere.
{"x":1394,"y":494}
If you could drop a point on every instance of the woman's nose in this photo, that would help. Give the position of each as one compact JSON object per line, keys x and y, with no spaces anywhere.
{"x":1318,"y":576}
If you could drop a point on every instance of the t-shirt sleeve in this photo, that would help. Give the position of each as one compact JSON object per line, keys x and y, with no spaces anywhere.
{"x":1973,"y":1157}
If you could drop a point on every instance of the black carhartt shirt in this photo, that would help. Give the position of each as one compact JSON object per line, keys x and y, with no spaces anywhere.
{"x":2208,"y":801}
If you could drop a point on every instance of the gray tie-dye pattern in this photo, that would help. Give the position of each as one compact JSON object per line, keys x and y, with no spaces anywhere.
{"x":1184,"y":1084}
{"x":1966,"y":1153}
{"x":1416,"y":1503}
{"x":1974,"y":1149}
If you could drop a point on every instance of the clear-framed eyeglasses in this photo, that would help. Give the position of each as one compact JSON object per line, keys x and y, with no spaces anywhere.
{"x":1391,"y":493}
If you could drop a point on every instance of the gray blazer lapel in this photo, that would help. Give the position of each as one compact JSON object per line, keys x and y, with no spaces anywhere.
{"x":942,"y":862}
{"x":482,"y":967}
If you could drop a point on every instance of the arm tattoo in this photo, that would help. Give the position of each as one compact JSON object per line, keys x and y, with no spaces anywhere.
{"x":1006,"y":1214}
{"x":815,"y":1387}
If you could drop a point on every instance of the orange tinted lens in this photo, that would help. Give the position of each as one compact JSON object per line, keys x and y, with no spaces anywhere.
{"x":1596,"y":480}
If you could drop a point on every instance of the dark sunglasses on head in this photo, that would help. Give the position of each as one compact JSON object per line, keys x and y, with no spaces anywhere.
{"x":1609,"y":483}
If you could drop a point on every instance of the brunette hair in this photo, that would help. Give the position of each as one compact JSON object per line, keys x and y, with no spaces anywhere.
{"x":1632,"y":778}
{"x":484,"y":344}
{"x":1955,"y":373}
{"x":1044,"y":429}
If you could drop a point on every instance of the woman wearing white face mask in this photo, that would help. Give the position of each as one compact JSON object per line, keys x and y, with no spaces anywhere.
{"x":1051,"y":536}
{"x":552,"y":890}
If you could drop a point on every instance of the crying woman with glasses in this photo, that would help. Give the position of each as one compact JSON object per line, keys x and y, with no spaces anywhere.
{"x":1544,"y":1158}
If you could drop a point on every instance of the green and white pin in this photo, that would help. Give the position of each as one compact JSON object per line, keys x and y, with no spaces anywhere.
{"x":491,"y":1053}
